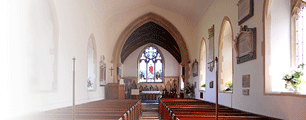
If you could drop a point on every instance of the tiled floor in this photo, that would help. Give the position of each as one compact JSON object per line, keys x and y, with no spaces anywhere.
{"x":149,"y":111}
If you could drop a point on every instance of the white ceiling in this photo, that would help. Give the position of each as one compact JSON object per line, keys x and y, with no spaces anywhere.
{"x":192,"y":10}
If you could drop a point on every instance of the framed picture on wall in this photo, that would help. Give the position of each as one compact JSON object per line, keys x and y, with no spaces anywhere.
{"x":103,"y":75}
{"x":119,"y":71}
{"x":211,"y":48}
{"x":102,"y":72}
{"x":245,"y":44}
{"x":211,"y":84}
{"x":245,"y":10}
{"x":195,"y":68}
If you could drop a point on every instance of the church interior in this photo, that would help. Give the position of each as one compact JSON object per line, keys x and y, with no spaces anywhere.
{"x":188,"y":59}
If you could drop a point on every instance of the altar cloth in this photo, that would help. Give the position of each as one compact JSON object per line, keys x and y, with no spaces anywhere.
{"x":150,"y":92}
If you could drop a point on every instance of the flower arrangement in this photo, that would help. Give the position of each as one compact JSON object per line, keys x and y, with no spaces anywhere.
{"x":203,"y":86}
{"x":293,"y":78}
{"x":189,"y":89}
{"x":229,"y":85}
{"x":89,"y":83}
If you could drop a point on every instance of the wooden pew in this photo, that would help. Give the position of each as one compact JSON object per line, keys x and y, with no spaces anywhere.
{"x":192,"y":109}
{"x":97,"y":110}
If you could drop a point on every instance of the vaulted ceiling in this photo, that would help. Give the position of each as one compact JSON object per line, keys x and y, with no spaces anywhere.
{"x":151,"y":33}
{"x":191,"y":10}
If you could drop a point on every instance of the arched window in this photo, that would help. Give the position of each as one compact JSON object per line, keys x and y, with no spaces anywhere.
{"x":91,"y":57}
{"x":202,"y":67}
{"x":284,"y":44}
{"x":226,"y":56}
{"x":150,"y":65}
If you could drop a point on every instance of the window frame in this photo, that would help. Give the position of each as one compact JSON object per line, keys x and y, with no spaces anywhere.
{"x":202,"y":64}
{"x":162,"y":61}
{"x":222,"y":37}
{"x":91,"y":37}
{"x":295,"y":7}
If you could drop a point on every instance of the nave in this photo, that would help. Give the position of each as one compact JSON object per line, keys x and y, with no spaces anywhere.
{"x":165,"y":109}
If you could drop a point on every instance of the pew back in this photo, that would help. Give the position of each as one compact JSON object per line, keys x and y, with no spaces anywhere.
{"x":192,"y":109}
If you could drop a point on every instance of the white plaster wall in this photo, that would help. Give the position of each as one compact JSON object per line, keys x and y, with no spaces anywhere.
{"x":284,"y":107}
{"x":213,"y":16}
{"x":172,"y":67}
{"x":77,"y":21}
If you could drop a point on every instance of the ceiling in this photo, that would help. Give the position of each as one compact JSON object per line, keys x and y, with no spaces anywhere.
{"x":151,"y":33}
{"x":191,"y":10}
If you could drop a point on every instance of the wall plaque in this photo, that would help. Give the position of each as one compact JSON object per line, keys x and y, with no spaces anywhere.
{"x":119,"y":71}
{"x":201,"y":94}
{"x":195,"y":68}
{"x":210,"y":50}
{"x":245,"y":10}
{"x":246,"y":92}
{"x":245,"y":44}
{"x":246,"y":80}
{"x":102,"y":71}
{"x":211,"y":84}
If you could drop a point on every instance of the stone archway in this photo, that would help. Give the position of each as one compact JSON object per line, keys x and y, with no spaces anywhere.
{"x":151,"y":17}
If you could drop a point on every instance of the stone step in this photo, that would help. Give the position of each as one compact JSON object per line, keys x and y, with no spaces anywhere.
{"x":149,"y":119}
{"x":150,"y":114}
{"x":149,"y":111}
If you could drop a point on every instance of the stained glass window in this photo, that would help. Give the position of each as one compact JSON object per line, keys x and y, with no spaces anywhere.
{"x":150,"y":66}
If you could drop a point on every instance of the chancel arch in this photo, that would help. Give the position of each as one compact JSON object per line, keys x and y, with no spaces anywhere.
{"x":177,"y":47}
{"x":225,"y":53}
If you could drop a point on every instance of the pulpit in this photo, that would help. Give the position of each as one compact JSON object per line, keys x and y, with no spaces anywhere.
{"x":115,"y":91}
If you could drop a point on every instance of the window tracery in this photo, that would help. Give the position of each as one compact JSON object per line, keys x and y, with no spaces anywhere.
{"x":150,"y":65}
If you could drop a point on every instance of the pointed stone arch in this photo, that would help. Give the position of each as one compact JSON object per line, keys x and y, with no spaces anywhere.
{"x":150,"y":17}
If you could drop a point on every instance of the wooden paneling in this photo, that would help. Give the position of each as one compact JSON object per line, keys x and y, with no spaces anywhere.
{"x":192,"y":109}
{"x":115,"y":91}
{"x":97,"y":110}
{"x":121,"y":92}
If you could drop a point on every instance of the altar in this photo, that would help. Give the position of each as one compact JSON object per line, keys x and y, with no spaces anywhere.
{"x":150,"y":95}
{"x":150,"y":91}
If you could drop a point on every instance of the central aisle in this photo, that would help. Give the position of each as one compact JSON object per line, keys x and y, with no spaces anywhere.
{"x":149,"y":111}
